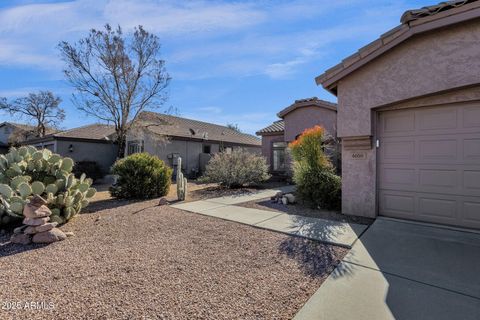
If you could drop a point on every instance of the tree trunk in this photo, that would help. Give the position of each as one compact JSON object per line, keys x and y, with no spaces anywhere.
{"x":122,"y":142}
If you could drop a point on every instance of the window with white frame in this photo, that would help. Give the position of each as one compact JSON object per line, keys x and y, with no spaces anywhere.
{"x":135,"y":146}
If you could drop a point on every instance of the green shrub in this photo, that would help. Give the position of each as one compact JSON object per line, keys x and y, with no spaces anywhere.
{"x":319,"y":188}
{"x":141,"y":176}
{"x":236,"y":169}
{"x":313,"y":173}
{"x":26,"y":171}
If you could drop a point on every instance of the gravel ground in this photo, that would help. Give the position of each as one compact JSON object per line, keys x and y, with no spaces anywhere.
{"x":141,"y":261}
{"x":302,"y":210}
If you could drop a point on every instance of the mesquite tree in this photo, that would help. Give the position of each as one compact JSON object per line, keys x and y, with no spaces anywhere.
{"x":116,"y":76}
{"x":42,"y":108}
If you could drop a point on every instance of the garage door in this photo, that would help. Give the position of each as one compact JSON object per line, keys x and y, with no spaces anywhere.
{"x":429,"y":164}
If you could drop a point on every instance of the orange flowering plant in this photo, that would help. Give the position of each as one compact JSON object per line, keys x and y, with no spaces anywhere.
{"x":308,"y":148}
{"x":313,"y":173}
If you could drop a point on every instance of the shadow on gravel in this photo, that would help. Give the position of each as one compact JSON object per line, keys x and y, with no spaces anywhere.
{"x":315,"y":259}
{"x":106,"y":204}
{"x":9,"y":249}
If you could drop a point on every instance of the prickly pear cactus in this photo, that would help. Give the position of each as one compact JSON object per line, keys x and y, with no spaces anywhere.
{"x":26,"y":171}
{"x":181,"y":181}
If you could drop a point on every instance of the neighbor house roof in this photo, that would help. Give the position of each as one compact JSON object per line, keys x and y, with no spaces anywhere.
{"x":96,"y":131}
{"x":314,"y":101}
{"x":276,"y":127}
{"x":172,"y":126}
{"x":25,"y":127}
{"x":413,"y":22}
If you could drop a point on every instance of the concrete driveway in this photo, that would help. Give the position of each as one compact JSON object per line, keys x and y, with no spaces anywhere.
{"x":403,"y":270}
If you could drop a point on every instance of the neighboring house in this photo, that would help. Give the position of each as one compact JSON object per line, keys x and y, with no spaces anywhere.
{"x":409,"y":118}
{"x":11,"y":133}
{"x":170,"y":137}
{"x":91,"y":143}
{"x":301,"y":115}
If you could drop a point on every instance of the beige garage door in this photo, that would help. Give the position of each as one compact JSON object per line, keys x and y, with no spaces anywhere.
{"x":429,"y":164}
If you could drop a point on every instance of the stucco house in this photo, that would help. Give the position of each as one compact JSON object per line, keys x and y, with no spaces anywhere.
{"x":11,"y":133}
{"x":92,"y":143}
{"x":170,"y":137}
{"x":297,"y":117}
{"x":409,"y":118}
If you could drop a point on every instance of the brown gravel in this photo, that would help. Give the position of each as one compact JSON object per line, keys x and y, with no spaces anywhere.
{"x":303,"y":210}
{"x":141,"y":261}
{"x":196,"y":191}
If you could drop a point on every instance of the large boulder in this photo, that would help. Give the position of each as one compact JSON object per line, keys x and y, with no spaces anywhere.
{"x":21,"y":238}
{"x":49,"y":236}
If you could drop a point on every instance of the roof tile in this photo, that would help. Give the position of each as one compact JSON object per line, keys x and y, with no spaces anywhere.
{"x":173,"y":126}
{"x":276,"y":127}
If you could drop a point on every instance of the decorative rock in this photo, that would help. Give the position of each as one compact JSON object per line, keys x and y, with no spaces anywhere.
{"x":45,"y":227}
{"x":49,"y":236}
{"x":69,"y":234}
{"x":32,"y":211}
{"x":35,"y":221}
{"x":284,"y":200}
{"x":290,"y":197}
{"x":162,"y":202}
{"x":37,"y":201}
{"x":30,"y":230}
{"x":20,"y":238}
{"x":19,"y":229}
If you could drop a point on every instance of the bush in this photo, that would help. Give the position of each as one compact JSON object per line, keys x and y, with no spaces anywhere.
{"x":319,"y":188}
{"x":313,"y":172}
{"x":26,"y":171}
{"x":90,"y":168}
{"x":141,"y":176}
{"x":236,"y":169}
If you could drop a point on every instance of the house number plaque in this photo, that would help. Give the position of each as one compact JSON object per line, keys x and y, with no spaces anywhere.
{"x":359,"y":156}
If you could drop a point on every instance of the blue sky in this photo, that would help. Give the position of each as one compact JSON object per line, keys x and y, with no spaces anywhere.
{"x":230,"y":61}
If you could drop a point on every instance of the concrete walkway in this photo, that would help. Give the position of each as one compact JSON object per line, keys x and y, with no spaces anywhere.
{"x":403,"y":270}
{"x":332,"y":232}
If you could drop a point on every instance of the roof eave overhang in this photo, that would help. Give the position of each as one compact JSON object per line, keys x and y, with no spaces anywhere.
{"x":329,"y":80}
{"x":292,"y":108}
{"x":273,"y":133}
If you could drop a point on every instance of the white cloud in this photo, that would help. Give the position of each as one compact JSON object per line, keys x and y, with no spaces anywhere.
{"x":203,"y":39}
{"x":184,"y":17}
{"x":283,"y":70}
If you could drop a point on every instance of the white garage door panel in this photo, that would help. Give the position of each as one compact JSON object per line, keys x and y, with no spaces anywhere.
{"x":429,"y":164}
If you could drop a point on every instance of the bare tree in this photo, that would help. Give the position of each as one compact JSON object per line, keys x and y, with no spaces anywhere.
{"x":234,"y":127}
{"x":42,"y":108}
{"x":116,"y":76}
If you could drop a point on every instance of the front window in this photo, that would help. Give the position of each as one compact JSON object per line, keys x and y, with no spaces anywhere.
{"x":279,"y":156}
{"x":135,"y":146}
{"x":206,"y":148}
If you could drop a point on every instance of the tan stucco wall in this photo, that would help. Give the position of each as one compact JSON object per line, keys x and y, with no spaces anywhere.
{"x":306,"y":117}
{"x":189,"y":151}
{"x":104,"y":154}
{"x":424,"y":65}
{"x":428,"y":63}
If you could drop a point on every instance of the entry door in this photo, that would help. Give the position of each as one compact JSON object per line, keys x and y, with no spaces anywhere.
{"x":429,"y":164}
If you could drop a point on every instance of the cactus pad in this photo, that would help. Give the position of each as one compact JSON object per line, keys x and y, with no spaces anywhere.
{"x":26,"y":171}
